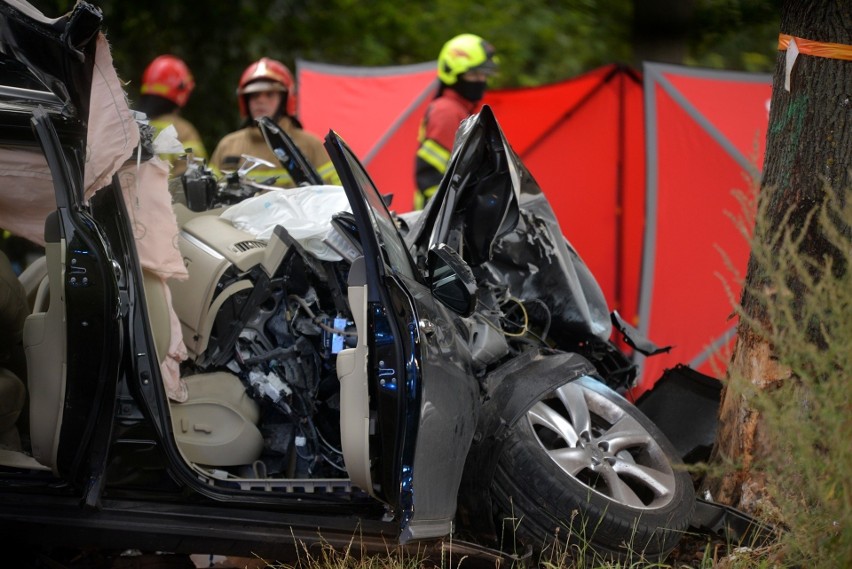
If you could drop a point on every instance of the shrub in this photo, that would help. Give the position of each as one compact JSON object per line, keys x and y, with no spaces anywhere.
{"x":807,"y":423}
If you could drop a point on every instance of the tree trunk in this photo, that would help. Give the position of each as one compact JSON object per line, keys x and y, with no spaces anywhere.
{"x":808,"y":153}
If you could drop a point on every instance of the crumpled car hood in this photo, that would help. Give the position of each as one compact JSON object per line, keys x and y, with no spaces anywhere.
{"x":489,"y":195}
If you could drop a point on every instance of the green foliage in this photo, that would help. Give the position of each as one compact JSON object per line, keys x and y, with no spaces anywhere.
{"x":736,"y":34}
{"x":807,"y":420}
{"x":538,"y":41}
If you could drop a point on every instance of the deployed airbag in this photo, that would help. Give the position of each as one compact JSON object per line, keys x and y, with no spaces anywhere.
{"x":305,"y":212}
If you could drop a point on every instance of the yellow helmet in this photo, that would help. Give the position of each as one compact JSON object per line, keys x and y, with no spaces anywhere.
{"x":462,"y":54}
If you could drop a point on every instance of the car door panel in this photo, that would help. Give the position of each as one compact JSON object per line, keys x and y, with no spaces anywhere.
{"x":449,"y":408}
{"x":92,"y":322}
{"x":423,"y":398}
{"x":354,"y":390}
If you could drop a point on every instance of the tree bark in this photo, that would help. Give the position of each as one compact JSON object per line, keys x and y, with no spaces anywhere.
{"x":808,"y":154}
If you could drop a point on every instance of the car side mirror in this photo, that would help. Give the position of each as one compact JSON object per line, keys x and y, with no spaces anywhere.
{"x":451,"y":280}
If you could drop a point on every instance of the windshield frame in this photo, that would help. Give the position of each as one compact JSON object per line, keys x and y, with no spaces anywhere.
{"x":395,"y":253}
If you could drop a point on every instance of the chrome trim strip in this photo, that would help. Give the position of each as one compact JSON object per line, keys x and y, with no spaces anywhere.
{"x":202,"y":245}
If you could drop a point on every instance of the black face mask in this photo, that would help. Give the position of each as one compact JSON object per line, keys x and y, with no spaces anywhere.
{"x":471,"y":90}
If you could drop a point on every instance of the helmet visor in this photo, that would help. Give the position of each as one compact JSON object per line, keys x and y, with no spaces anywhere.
{"x":260,"y":86}
{"x":490,"y":66}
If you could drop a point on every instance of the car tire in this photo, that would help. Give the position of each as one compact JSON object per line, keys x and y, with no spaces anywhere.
{"x":584,"y":467}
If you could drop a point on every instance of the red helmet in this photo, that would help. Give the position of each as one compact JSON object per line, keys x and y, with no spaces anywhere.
{"x":168,"y":77}
{"x":267,"y":74}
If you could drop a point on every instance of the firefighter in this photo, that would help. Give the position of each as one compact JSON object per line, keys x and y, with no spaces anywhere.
{"x":267,"y":89}
{"x":166,"y":86}
{"x":464,"y":65}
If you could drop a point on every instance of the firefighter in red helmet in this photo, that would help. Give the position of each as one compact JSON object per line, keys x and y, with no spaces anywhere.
{"x":267,"y":88}
{"x":166,"y":86}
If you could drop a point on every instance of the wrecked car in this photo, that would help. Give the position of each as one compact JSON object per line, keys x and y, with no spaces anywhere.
{"x":445,"y":377}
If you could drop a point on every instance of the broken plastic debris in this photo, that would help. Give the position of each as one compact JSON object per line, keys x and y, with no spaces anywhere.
{"x":167,"y":141}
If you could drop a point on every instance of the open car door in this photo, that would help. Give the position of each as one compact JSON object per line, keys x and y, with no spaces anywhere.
{"x":409,"y":401}
{"x":74,"y":340}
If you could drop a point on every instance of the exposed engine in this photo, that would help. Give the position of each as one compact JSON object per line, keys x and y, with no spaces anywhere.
{"x":281,"y":337}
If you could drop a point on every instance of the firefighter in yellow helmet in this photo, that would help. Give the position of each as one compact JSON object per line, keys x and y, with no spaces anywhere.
{"x":464,"y":64}
{"x":267,"y":89}
{"x":166,"y":86}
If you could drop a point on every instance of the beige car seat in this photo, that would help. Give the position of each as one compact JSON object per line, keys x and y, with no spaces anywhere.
{"x":45,"y":346}
{"x":13,"y":313}
{"x":217,"y":424}
{"x":34,"y":280}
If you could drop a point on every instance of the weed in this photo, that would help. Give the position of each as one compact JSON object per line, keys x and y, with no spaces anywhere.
{"x":807,"y":425}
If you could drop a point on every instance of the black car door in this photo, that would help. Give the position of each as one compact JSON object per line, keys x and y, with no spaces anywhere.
{"x":72,"y":378}
{"x":409,"y":401}
{"x":93,"y":326}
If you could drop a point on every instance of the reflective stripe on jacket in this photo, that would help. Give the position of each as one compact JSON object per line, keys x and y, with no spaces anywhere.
{"x":436,"y":137}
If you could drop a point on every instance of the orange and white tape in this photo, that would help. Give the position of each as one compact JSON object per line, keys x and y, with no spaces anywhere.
{"x":816,"y":48}
{"x":794,"y":46}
